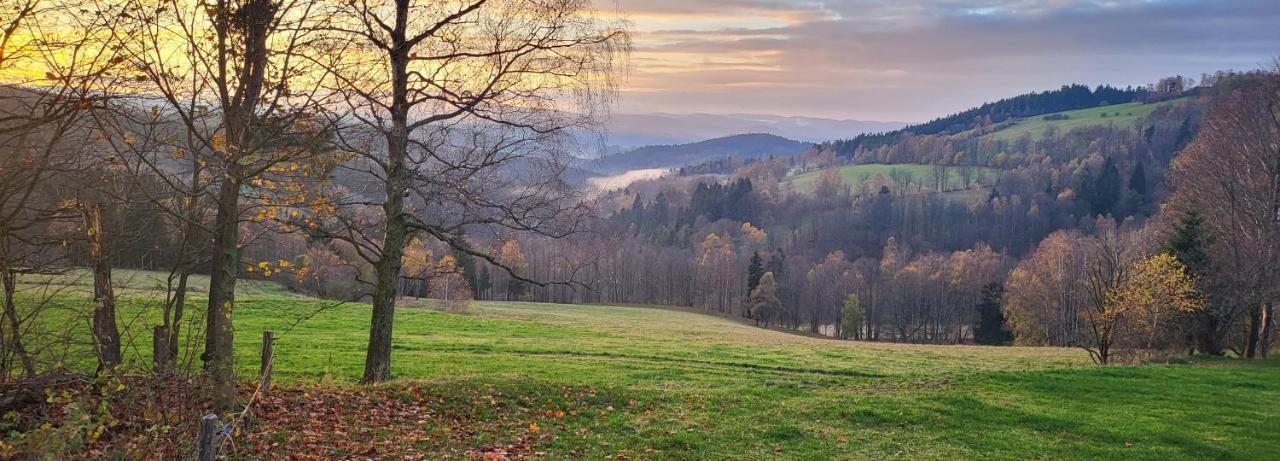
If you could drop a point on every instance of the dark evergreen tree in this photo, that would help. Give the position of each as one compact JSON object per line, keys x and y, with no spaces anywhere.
{"x":754,"y":271}
{"x":1106,"y":188}
{"x":740,"y":202}
{"x":661,"y":207}
{"x":775,"y":263}
{"x":1138,"y":179}
{"x":479,"y":280}
{"x":1189,"y":242}
{"x":991,"y":328}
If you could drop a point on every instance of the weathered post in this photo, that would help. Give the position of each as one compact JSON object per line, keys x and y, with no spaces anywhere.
{"x":267,"y":350}
{"x":160,"y":349}
{"x":208,"y":442}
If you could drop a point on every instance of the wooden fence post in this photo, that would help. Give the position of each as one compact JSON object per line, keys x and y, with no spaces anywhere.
{"x":208,"y":437}
{"x":265,"y":372}
{"x":160,"y":349}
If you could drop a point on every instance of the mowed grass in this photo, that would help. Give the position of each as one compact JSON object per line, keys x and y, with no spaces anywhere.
{"x":1120,"y":115}
{"x":671,"y":384}
{"x":855,"y":175}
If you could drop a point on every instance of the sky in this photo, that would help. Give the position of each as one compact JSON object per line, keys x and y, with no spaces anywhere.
{"x":913,"y":60}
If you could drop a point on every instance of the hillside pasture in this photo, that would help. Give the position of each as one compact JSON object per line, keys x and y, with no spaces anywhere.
{"x":855,"y":175}
{"x":1120,"y":115}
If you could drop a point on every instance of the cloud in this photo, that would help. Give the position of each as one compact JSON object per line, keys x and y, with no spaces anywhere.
{"x":917,"y":59}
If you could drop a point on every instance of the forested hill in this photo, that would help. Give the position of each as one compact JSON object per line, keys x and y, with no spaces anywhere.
{"x":919,"y":230}
{"x":1069,"y":97}
{"x":743,"y":146}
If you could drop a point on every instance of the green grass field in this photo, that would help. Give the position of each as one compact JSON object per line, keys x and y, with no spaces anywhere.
{"x":1119,"y":114}
{"x":855,"y":175}
{"x":670,"y":384}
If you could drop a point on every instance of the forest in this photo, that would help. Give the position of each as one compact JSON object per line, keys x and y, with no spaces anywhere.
{"x":892,"y":258}
{"x":282,"y":164}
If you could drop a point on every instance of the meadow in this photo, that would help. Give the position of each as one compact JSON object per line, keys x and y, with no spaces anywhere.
{"x":855,"y":175}
{"x":654,"y":383}
{"x":1120,"y":115}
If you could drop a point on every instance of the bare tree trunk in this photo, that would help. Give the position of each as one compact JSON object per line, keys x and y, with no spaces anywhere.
{"x":173,"y":324}
{"x":10,"y":281}
{"x":218,"y":353}
{"x":106,"y":336}
{"x":1264,"y":344}
{"x":1255,"y":327}
{"x":377,"y":362}
{"x":166,"y":361}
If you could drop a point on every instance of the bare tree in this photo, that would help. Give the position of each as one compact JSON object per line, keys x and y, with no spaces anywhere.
{"x":458,"y":114}
{"x":229,"y":75}
{"x":1231,"y":173}
{"x":1063,"y":294}
{"x":1111,"y":254}
{"x":153,"y":153}
{"x":21,"y":112}
{"x":55,"y":70}
{"x":967,"y":174}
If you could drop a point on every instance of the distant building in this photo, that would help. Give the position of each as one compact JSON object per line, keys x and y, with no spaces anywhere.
{"x":1168,"y":88}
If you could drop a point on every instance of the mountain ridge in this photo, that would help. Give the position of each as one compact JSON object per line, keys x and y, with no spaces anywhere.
{"x":633,"y":130}
{"x":741,"y":146}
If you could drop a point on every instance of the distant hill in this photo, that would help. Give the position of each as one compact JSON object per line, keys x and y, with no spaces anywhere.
{"x":629,"y":131}
{"x":1003,"y":135}
{"x":1117,"y":114}
{"x":743,"y":146}
{"x":1067,"y":98}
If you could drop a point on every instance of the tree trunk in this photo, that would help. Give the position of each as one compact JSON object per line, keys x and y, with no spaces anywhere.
{"x":167,"y":360}
{"x":218,"y":352}
{"x":10,"y":281}
{"x":106,"y":336}
{"x":160,"y":350}
{"x":1264,"y":343}
{"x":1255,"y":327}
{"x":377,"y":362}
{"x":839,"y":325}
{"x":173,"y":325}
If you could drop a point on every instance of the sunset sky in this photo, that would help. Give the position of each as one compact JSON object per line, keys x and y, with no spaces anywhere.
{"x":911,"y":60}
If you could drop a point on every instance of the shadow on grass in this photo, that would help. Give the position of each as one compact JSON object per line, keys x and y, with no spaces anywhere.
{"x":1151,"y":411}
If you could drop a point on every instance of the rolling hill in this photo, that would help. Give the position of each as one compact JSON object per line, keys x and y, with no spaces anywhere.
{"x":629,"y":131}
{"x":1067,"y":98}
{"x":743,"y":146}
{"x":1119,"y":115}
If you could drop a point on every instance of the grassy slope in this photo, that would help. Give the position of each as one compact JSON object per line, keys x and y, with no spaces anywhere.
{"x":1119,"y":114}
{"x":854,"y":175}
{"x":681,"y":385}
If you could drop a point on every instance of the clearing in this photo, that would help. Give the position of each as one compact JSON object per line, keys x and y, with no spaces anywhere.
{"x":1118,"y":114}
{"x":855,"y":175}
